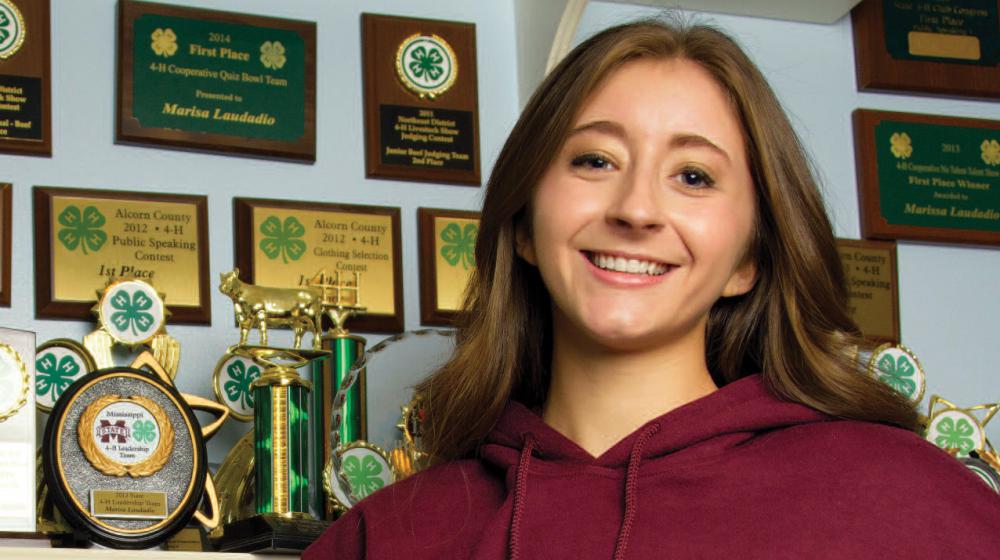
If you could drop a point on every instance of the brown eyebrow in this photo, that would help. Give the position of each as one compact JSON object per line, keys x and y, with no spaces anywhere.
{"x":677,"y":141}
{"x":695,"y":140}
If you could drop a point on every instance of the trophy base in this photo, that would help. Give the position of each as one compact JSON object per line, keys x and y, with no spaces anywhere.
{"x":270,"y":533}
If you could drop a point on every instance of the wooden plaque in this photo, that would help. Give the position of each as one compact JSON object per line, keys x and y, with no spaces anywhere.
{"x":84,"y":237}
{"x":872,"y":287}
{"x":945,"y":48}
{"x":421,"y":100}
{"x":928,"y":178}
{"x":25,"y":99}
{"x":5,"y":248}
{"x":216,"y":81}
{"x":447,"y":261}
{"x":285,"y":243}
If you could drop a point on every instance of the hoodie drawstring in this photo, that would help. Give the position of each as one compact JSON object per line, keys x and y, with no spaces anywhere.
{"x":513,"y":545}
{"x":631,"y":500}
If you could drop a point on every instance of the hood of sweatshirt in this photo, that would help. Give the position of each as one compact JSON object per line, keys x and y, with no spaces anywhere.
{"x":709,"y":426}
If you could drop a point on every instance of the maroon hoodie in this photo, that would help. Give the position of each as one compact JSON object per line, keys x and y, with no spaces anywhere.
{"x":736,"y":474}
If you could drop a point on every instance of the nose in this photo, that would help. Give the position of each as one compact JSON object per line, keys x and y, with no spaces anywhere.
{"x":637,"y":203}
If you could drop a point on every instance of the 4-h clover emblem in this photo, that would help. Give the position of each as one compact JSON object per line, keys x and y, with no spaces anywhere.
{"x":901,"y":145}
{"x":991,"y":152}
{"x":282,"y":239}
{"x":131,"y":312}
{"x":164,"y":42}
{"x":426,"y":65}
{"x":144,"y":431}
{"x":272,"y":55}
{"x":81,"y":229}
{"x":232,"y":379}
{"x":953,"y":432}
{"x":54,"y":372}
{"x":459,"y":244}
{"x":12,"y":29}
{"x":898,"y":367}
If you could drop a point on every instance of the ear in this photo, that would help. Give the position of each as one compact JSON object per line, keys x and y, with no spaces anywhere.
{"x":742,"y":280}
{"x":522,"y":243}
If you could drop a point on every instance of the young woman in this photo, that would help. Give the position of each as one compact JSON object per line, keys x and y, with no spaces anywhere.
{"x":657,"y":359}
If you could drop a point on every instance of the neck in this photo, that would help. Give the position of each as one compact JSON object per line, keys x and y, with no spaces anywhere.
{"x":598,"y":396}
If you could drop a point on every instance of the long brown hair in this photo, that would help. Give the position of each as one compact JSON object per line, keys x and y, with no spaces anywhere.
{"x":793,"y":326}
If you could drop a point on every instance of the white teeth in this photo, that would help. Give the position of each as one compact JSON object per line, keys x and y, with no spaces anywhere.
{"x":632,"y":266}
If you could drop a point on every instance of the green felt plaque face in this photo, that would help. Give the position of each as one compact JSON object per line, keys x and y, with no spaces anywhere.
{"x":939,"y":176}
{"x":953,"y":31}
{"x":224,"y":78}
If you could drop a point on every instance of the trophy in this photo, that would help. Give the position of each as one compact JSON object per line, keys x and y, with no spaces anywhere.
{"x":123,"y":454}
{"x":282,"y":518}
{"x":341,"y":300}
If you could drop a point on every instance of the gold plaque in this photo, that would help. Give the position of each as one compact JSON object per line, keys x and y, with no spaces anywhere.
{"x":872,"y":290}
{"x":87,"y":237}
{"x":123,"y":504}
{"x":125,"y":436}
{"x":286,"y":244}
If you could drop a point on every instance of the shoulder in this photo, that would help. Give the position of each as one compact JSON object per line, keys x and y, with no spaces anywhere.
{"x":880,"y":472}
{"x":439,"y":511}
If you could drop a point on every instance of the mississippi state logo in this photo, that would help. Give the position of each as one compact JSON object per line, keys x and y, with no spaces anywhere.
{"x":125,"y":436}
{"x":426,"y":65}
{"x":11,"y":29}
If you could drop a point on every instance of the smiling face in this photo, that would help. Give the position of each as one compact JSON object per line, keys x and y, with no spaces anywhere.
{"x":643,"y":220}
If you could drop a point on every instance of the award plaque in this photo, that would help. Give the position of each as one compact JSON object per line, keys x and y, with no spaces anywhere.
{"x":124,"y":456}
{"x":25,"y":101}
{"x":949,"y":47}
{"x":447,"y":261}
{"x":421,"y":100}
{"x":216,"y":81}
{"x":58,"y":363}
{"x":928,"y":178}
{"x":5,"y":236}
{"x":289,"y":243}
{"x":17,"y":431}
{"x":83,"y":238}
{"x":872,"y":287}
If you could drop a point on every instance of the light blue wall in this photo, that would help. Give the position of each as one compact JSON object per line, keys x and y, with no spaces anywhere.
{"x":949,"y":294}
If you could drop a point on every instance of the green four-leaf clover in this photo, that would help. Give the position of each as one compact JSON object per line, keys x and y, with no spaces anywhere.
{"x":132,"y":311}
{"x":955,"y":435}
{"x":82,"y":229}
{"x":4,"y":23}
{"x":898,"y":374}
{"x":459,"y":244}
{"x":238,"y":386}
{"x":280,"y":239}
{"x":427,"y":62}
{"x":143,"y":430}
{"x":52,"y":376}
{"x":363,"y":475}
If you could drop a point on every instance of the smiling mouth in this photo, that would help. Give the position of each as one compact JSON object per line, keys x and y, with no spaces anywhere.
{"x":626,"y":265}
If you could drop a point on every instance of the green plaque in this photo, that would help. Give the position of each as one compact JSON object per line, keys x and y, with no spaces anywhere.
{"x":216,"y":80}
{"x":934,"y":178}
{"x":953,"y":31}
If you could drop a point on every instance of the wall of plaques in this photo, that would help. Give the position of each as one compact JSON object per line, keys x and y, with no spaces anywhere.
{"x":328,"y":152}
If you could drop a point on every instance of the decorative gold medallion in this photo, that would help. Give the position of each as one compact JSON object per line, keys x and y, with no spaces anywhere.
{"x":361,"y":469}
{"x":426,"y":65}
{"x":125,"y":435}
{"x":951,"y":427}
{"x":897,"y":366}
{"x":131,"y":311}
{"x":15,"y":384}
{"x":12,"y":29}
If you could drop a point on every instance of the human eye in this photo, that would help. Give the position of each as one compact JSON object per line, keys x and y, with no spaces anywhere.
{"x":592,"y":161}
{"x":695,"y":178}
